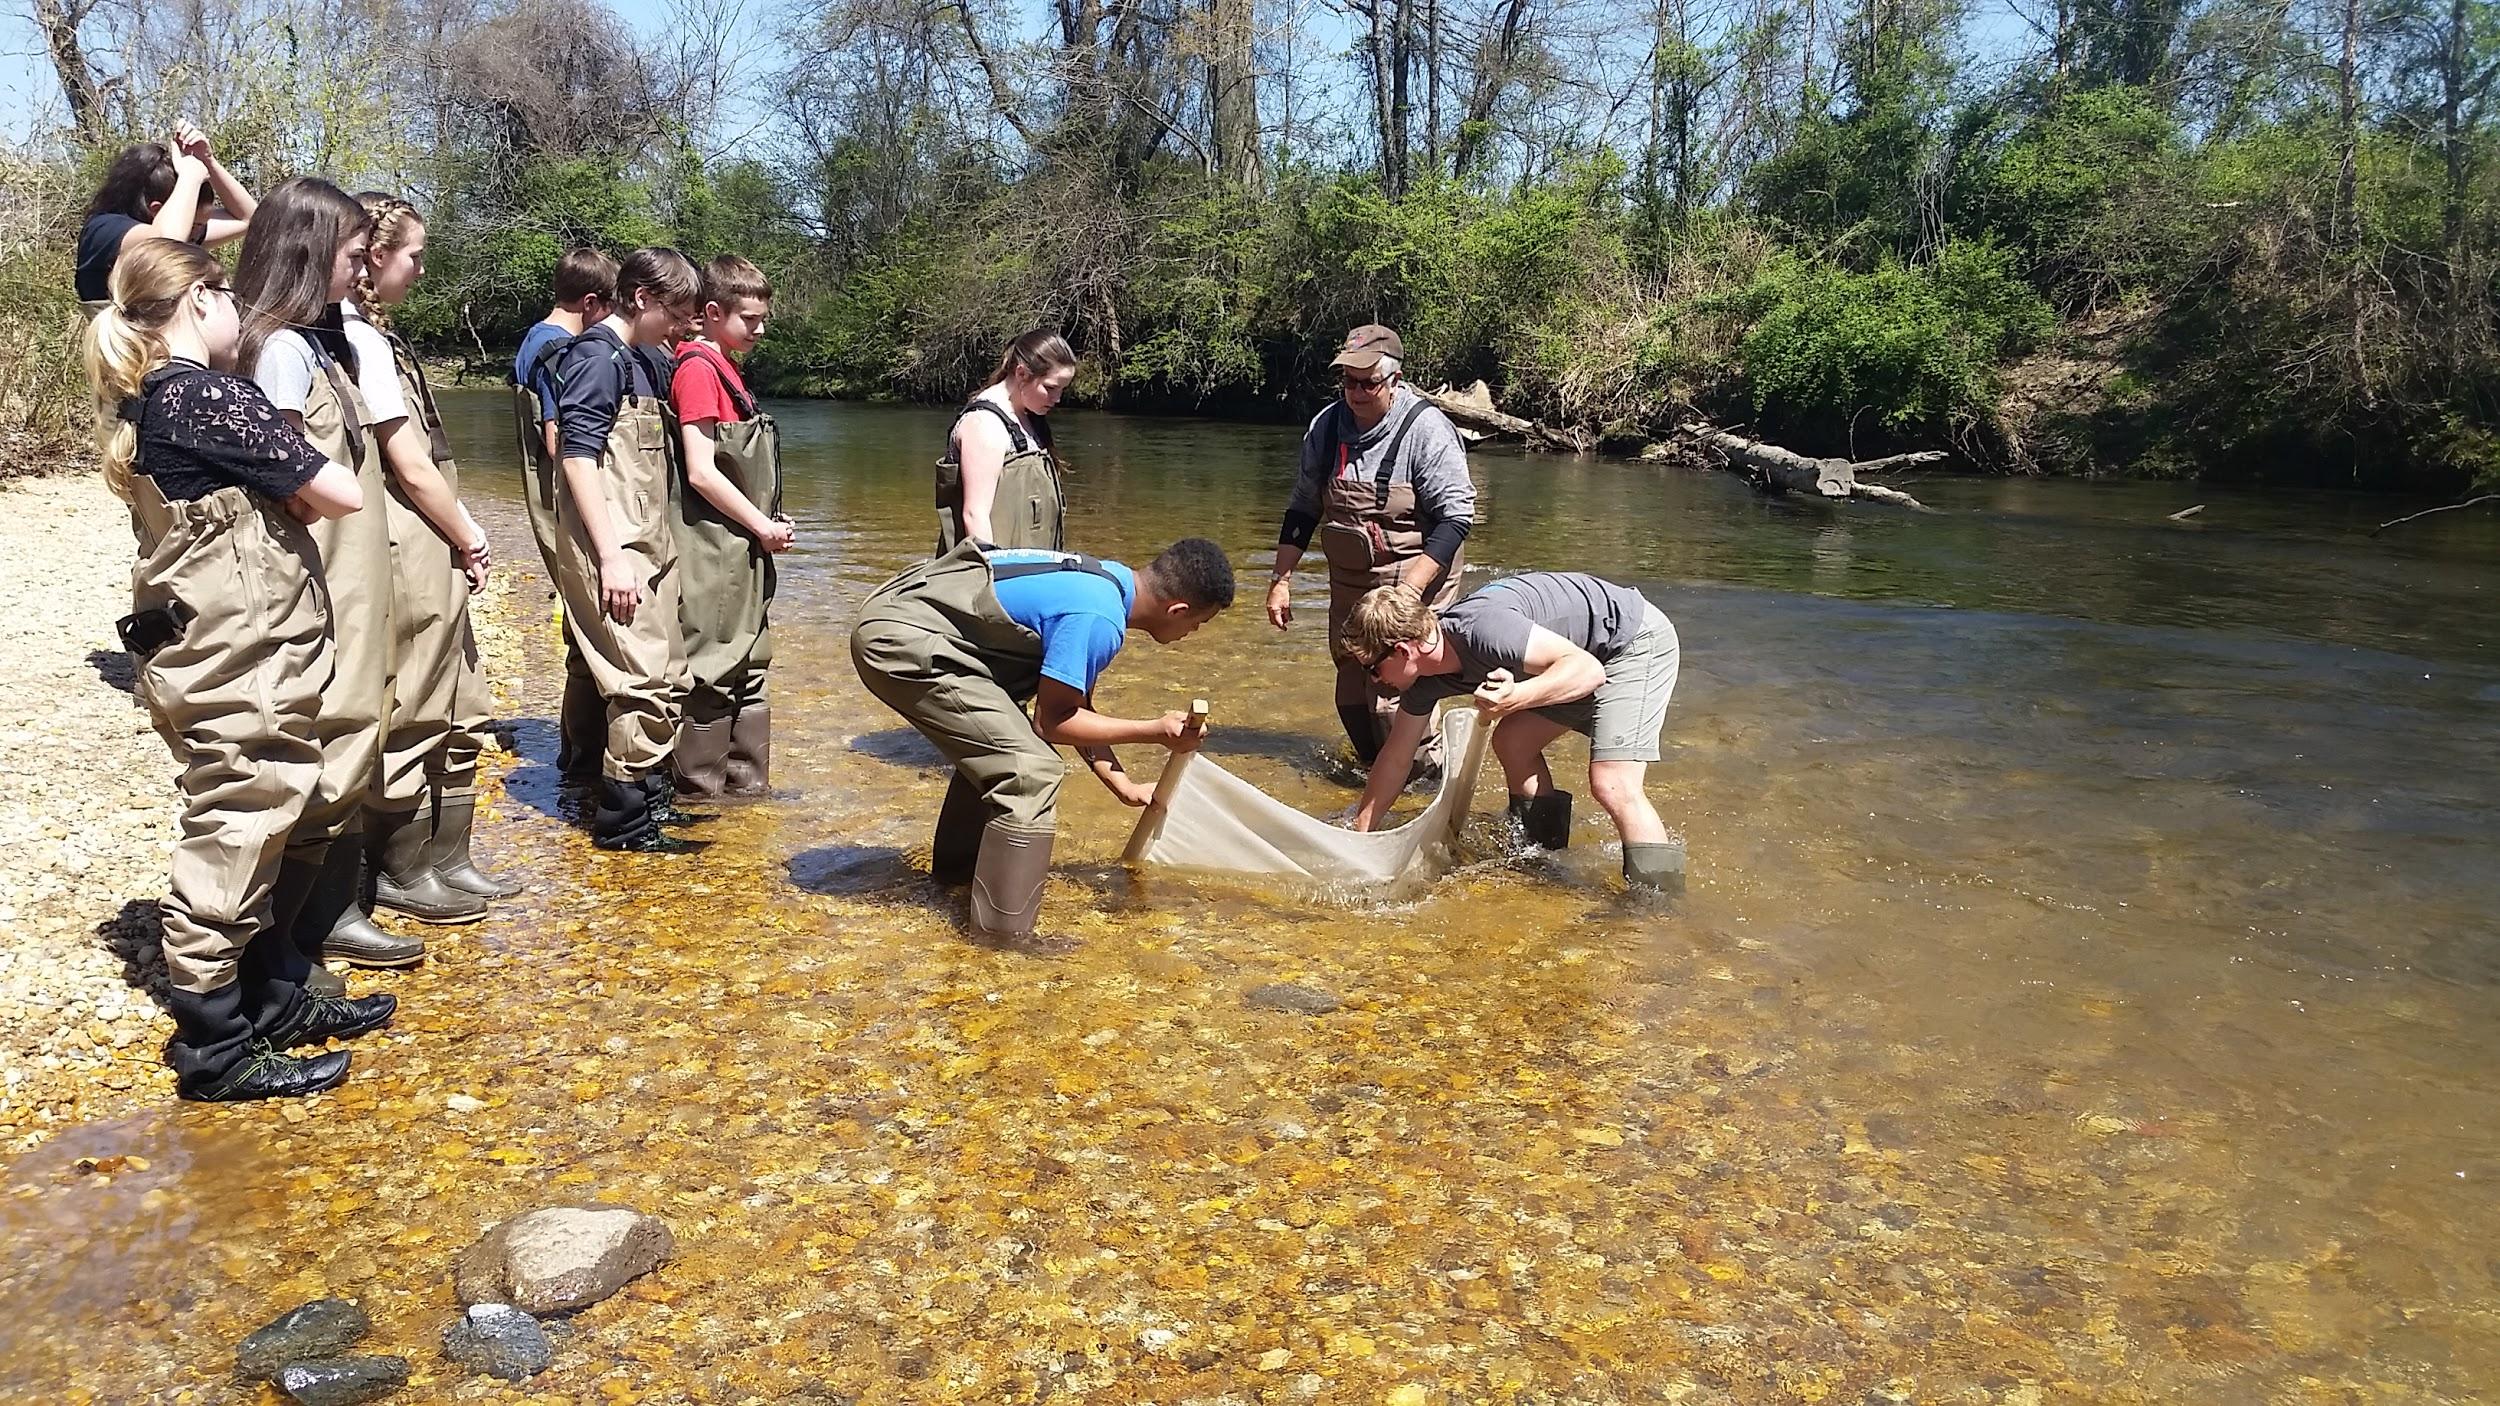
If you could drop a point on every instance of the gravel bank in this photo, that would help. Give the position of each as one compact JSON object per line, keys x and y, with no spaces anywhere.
{"x":87,"y":816}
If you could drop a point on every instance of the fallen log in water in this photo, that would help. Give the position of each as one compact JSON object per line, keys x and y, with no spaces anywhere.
{"x":1473,"y":412}
{"x":1785,"y":471}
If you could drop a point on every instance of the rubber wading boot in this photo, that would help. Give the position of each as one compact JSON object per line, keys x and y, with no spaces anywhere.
{"x":957,"y":844}
{"x":298,"y":871}
{"x":751,"y":752}
{"x":334,"y":926}
{"x":659,"y":789}
{"x":581,"y":729}
{"x":701,"y":760}
{"x":622,"y":819}
{"x":1007,"y":885}
{"x":216,"y":1060}
{"x":336,"y":1018}
{"x":1544,"y":819}
{"x":402,"y":880}
{"x":1658,"y":867}
{"x":455,"y":815}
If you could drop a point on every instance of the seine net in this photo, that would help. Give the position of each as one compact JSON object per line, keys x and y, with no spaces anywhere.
{"x":1206,"y":818}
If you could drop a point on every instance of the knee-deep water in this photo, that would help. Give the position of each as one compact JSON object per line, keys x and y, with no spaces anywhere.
{"x":2089,"y":990}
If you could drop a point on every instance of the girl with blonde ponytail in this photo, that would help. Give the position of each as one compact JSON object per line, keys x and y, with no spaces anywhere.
{"x":230,"y":636}
{"x":437,"y":722}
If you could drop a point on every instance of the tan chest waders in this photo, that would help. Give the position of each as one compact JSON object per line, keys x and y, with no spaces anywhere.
{"x":935,"y":645}
{"x":1369,"y":531}
{"x":540,"y":474}
{"x":438,"y":700}
{"x":725,"y":746}
{"x":1026,"y":510}
{"x":356,"y":561}
{"x":639,"y":667}
{"x":235,"y":696}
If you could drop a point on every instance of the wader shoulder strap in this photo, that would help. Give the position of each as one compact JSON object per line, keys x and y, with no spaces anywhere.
{"x":745,"y":403}
{"x":406,"y":356}
{"x":545,"y":361}
{"x":1015,"y":432}
{"x":1073,"y":561}
{"x":1335,"y":446}
{"x":349,"y":415}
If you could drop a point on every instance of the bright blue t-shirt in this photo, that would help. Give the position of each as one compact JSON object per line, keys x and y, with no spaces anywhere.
{"x":1082,"y":618}
{"x":534,"y":341}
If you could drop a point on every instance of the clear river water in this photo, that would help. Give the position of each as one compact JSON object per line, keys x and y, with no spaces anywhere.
{"x":2088,"y":991}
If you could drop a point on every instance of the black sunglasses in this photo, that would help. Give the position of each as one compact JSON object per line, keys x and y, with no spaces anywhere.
{"x":1364,"y":383}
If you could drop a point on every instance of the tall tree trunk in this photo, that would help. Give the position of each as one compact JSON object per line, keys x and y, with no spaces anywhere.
{"x":2348,"y":126}
{"x":1432,"y":84}
{"x":59,"y":20}
{"x":1401,"y":101}
{"x":1233,"y":93}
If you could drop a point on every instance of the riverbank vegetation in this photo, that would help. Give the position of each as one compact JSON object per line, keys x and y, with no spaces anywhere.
{"x":2236,"y":238}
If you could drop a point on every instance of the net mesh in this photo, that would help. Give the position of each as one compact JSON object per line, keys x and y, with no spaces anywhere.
{"x":1206,"y":818}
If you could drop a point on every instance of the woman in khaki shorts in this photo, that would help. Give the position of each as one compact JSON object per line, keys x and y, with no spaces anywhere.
{"x":1543,"y":652}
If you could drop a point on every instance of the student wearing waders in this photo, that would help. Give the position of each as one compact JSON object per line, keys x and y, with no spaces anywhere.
{"x":229,"y":636}
{"x":999,"y":483}
{"x":729,"y":527}
{"x":439,"y":556}
{"x":1384,"y":482}
{"x":1542,"y":653}
{"x":333,"y":381}
{"x":617,"y":554}
{"x":153,"y":190}
{"x":959,"y":644}
{"x":585,"y":292}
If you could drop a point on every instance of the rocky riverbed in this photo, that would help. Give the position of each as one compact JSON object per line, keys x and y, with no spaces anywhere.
{"x":87,"y":816}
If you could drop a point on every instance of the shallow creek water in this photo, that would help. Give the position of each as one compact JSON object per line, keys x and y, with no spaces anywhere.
{"x":2089,"y":991}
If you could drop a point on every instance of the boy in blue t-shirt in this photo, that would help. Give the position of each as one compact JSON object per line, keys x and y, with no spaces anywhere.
{"x":958,"y":645}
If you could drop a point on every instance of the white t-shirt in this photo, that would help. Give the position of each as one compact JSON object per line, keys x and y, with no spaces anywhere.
{"x":286,"y":369}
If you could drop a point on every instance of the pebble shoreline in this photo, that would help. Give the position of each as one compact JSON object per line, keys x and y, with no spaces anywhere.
{"x":87,"y":816}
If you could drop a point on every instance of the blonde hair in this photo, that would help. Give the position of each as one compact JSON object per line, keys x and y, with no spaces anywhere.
{"x":391,"y":218}
{"x":127,"y":340}
{"x":1384,"y":618}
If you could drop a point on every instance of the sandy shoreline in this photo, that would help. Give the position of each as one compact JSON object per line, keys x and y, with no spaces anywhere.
{"x":87,"y":816}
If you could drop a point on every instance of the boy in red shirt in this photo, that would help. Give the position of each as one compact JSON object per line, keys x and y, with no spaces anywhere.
{"x":729,"y":528}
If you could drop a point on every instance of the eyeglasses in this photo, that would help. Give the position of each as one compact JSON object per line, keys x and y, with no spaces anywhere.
{"x":1365,"y":383}
{"x":220,"y":286}
{"x":1373,"y":668}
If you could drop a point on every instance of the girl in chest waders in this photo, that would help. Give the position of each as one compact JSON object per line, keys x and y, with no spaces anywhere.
{"x":230,"y":638}
{"x":999,"y":483}
{"x":729,"y":528}
{"x":617,"y":563}
{"x":301,"y":258}
{"x":439,"y":555}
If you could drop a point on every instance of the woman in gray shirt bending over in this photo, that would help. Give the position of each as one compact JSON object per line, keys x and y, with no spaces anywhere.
{"x":1542,"y":653}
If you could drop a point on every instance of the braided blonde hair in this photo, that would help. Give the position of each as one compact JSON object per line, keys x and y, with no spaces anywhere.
{"x":391,"y":216}
{"x":127,"y":340}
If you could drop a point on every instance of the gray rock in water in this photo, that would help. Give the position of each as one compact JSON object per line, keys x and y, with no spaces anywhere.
{"x":1292,"y":999}
{"x":561,"y":1258}
{"x":322,"y":1328}
{"x":343,"y":1381}
{"x":499,"y":1341}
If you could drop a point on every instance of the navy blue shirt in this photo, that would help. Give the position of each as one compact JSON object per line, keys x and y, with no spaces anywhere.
{"x":99,"y":248}
{"x":527,"y":371}
{"x":593,"y":376}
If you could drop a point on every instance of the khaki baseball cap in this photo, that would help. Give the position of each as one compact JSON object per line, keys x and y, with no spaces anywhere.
{"x":1367,"y":344}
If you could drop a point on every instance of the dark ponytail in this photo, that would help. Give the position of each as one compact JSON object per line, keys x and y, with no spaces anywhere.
{"x":1040,"y":352}
{"x":140,"y":176}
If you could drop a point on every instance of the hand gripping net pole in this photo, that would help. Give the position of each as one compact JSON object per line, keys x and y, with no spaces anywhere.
{"x":1206,"y":818}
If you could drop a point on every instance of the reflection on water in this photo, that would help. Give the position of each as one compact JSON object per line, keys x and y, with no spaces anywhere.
{"x":2087,"y":992}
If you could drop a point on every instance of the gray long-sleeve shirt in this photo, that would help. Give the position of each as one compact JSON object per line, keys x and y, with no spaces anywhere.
{"x":1432,"y":458}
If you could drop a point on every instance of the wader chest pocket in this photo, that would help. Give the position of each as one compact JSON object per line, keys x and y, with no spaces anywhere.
{"x":148,"y":631}
{"x":1355,"y":546}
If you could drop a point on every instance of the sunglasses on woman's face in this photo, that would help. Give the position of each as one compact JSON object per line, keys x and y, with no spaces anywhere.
{"x":1362,"y":383}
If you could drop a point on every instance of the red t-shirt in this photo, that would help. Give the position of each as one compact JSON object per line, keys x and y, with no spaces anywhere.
{"x":697,"y":389}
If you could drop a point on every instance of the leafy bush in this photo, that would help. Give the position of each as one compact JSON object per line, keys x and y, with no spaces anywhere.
{"x":1917,"y":347}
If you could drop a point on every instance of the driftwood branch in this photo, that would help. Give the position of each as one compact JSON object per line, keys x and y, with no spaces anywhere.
{"x":1780,"y":470}
{"x":1472,"y":410}
{"x":2426,"y":512}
